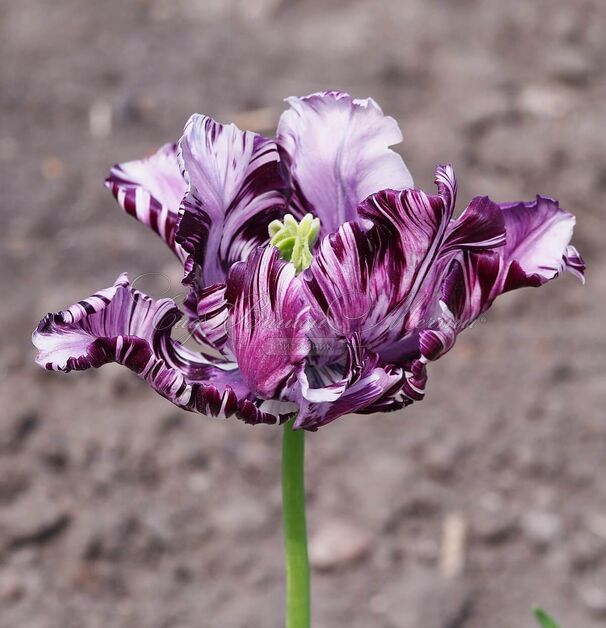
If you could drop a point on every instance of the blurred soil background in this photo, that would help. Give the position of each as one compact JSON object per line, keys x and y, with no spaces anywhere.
{"x":117,"y":510}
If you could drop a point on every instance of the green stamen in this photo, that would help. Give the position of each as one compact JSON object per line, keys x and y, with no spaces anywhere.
{"x":295,"y":239}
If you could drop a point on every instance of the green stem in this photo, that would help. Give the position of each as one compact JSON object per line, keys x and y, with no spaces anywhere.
{"x":298,"y":604}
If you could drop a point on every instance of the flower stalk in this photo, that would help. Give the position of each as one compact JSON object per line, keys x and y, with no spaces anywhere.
{"x":298,"y":599}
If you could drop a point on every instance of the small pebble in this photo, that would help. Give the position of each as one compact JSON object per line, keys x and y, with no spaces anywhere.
{"x":337,"y":544}
{"x":52,"y":168}
{"x":11,"y":588}
{"x":595,"y":601}
{"x":585,"y":551}
{"x":100,"y":119}
{"x":420,"y":503}
{"x":426,"y":601}
{"x":171,"y":422}
{"x":17,"y":431}
{"x":541,"y":528}
{"x":13,"y":482}
{"x":441,"y":459}
{"x":34,"y":525}
{"x":247,"y":515}
{"x":544,"y":101}
{"x":199,"y":482}
{"x":494,"y":527}
{"x":570,"y":66}
{"x":597,"y":524}
{"x":55,"y":454}
{"x":425,"y":551}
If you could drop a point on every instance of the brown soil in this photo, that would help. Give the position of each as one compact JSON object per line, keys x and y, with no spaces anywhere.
{"x":118,"y":511}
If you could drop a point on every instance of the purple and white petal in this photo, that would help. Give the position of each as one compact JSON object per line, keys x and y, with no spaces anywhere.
{"x":337,"y":151}
{"x":425,"y":324}
{"x":268,"y":322}
{"x":236,"y":188}
{"x":446,"y":183}
{"x":383,"y":279}
{"x":268,"y":412}
{"x":411,"y":389}
{"x":430,"y":319}
{"x":151,"y":190}
{"x":480,"y":226}
{"x":363,"y":384}
{"x":538,"y":237}
{"x":466,"y":292}
{"x":122,"y":325}
{"x":364,"y":278}
{"x":574,"y":263}
{"x":537,"y":249}
{"x":209,"y":326}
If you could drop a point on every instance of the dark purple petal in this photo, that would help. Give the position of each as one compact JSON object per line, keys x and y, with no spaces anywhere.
{"x":236,"y":189}
{"x":480,"y":226}
{"x":446,"y":183}
{"x":469,"y":286}
{"x":467,"y":291}
{"x":337,"y":151}
{"x":266,"y":412}
{"x":151,"y":191}
{"x":267,"y":323}
{"x":385,"y":279}
{"x":209,"y":326}
{"x":365,"y":279}
{"x":537,"y":250}
{"x":431,"y":318}
{"x":411,"y":389}
{"x":120,"y":324}
{"x":364,"y":384}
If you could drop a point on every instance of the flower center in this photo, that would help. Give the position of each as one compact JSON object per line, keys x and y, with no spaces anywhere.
{"x":295,"y":239}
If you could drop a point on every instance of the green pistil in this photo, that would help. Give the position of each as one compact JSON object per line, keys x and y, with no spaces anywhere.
{"x":295,"y":240}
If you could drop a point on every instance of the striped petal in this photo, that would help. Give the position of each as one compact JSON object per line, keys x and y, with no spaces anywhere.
{"x":150,"y":190}
{"x":235,"y":190}
{"x":120,"y":324}
{"x":267,"y":323}
{"x":209,"y":326}
{"x":337,"y":151}
{"x":364,"y":278}
{"x":574,"y":263}
{"x":383,"y":279}
{"x":537,"y":250}
{"x":364,"y":384}
{"x":480,"y":226}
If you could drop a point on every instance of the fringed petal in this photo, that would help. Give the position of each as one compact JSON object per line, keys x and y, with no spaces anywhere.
{"x":122,"y":325}
{"x":538,"y":237}
{"x":209,"y":326}
{"x":480,"y":226}
{"x":268,"y":322}
{"x":337,"y":151}
{"x":537,"y":249}
{"x":151,"y":190}
{"x":364,"y":384}
{"x":236,"y":189}
{"x":364,"y":278}
{"x":385,"y":279}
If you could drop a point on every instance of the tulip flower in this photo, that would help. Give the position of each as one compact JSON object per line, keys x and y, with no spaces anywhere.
{"x":319,"y":281}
